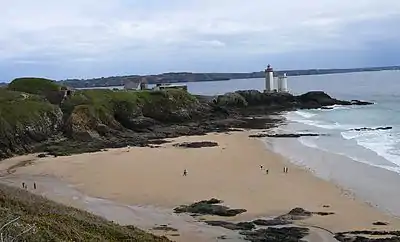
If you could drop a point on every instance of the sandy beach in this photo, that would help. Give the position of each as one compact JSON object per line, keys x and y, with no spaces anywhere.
{"x":230,"y":172}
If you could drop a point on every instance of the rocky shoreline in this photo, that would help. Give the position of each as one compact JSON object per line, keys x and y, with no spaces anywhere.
{"x":92,"y":120}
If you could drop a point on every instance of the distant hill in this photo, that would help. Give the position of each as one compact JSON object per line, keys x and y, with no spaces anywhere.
{"x":176,"y":77}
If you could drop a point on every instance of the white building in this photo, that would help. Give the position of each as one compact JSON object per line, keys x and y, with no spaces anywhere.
{"x":275,"y":84}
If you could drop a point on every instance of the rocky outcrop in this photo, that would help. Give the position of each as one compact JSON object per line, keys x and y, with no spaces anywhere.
{"x":25,"y":121}
{"x":282,"y":101}
{"x":90,"y":120}
{"x":287,"y":234}
{"x":209,"y":207}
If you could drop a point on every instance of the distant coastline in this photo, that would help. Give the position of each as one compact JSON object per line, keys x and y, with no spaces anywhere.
{"x":178,"y":77}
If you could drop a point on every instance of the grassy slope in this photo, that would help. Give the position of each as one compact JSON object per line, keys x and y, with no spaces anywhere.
{"x":106,"y":105}
{"x":55,"y":222}
{"x":33,"y":85}
{"x":19,"y":108}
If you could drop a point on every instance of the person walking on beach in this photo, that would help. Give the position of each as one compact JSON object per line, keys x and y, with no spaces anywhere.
{"x":185,"y":172}
{"x":285,"y":169}
{"x":261,"y":167}
{"x":23,"y":184}
{"x":34,"y":185}
{"x":266,"y":171}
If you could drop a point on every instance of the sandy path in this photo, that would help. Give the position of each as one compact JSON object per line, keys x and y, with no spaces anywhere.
{"x":231,"y":172}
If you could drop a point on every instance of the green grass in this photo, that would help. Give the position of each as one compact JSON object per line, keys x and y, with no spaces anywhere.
{"x":33,"y":85}
{"x":55,"y":222}
{"x":108,"y":105}
{"x":20,"y":108}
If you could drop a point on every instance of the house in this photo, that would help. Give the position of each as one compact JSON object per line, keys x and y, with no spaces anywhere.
{"x":136,"y":84}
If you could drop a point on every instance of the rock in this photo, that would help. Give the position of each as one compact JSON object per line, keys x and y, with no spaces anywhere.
{"x":158,"y":141}
{"x":295,"y":214}
{"x":379,"y":223}
{"x":284,"y":135}
{"x":209,"y":207}
{"x":200,"y":144}
{"x":231,"y":99}
{"x":317,"y":99}
{"x":42,"y":156}
{"x":271,"y":222}
{"x":358,"y":102}
{"x":232,"y":226}
{"x":323,"y":213}
{"x":285,"y":234}
{"x":365,"y":236}
{"x":372,"y":129}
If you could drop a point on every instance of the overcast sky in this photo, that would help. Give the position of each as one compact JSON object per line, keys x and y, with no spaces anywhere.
{"x":93,"y":38}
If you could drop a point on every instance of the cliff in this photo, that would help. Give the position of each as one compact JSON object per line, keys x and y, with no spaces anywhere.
{"x":90,"y":120}
{"x":25,"y":120}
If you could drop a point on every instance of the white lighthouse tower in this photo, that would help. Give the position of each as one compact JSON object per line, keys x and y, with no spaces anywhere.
{"x":269,"y":79}
{"x":282,"y":83}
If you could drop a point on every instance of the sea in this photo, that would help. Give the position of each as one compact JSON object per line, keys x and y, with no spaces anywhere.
{"x":366,"y":164}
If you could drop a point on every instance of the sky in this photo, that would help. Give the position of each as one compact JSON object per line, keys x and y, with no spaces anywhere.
{"x":92,"y":38}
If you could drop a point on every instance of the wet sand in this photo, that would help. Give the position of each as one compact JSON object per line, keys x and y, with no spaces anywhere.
{"x":152,"y":177}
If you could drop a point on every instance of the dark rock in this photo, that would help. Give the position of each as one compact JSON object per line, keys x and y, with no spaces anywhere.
{"x":209,"y":207}
{"x":380,"y":223}
{"x":359,"y":236}
{"x":284,"y":135}
{"x":42,"y":156}
{"x":199,"y":144}
{"x":323,"y":213}
{"x":295,"y":214}
{"x":358,"y":102}
{"x":232,"y":226}
{"x":372,"y":129}
{"x":326,"y":206}
{"x":158,"y":142}
{"x":231,"y":99}
{"x":285,"y":234}
{"x":222,"y":237}
{"x":271,"y":222}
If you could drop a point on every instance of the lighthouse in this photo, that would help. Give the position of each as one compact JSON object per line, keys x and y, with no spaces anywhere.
{"x":282,"y":83}
{"x":269,"y":79}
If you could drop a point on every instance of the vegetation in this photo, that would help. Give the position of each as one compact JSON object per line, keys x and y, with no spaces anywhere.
{"x":39,"y":86}
{"x":18,"y":108}
{"x":86,"y":108}
{"x":33,"y":85}
{"x":45,"y":220}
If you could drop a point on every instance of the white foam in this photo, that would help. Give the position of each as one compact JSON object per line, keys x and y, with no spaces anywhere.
{"x":309,"y":142}
{"x":305,"y":114}
{"x":305,"y":118}
{"x":382,"y":142}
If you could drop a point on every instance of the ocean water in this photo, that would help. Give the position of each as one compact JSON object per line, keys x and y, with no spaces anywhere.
{"x":366,"y":163}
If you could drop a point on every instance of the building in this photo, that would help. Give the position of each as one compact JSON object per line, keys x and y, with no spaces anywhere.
{"x":136,"y":84}
{"x":275,"y":84}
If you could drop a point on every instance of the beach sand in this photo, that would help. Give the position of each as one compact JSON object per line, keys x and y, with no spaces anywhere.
{"x":230,"y":172}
